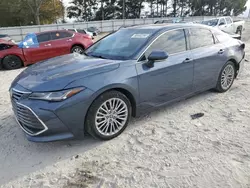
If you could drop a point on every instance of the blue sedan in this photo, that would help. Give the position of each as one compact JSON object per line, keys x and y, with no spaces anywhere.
{"x":127,"y":73}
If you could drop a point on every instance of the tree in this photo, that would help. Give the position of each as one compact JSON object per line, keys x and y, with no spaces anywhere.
{"x":132,"y":8}
{"x":51,"y":11}
{"x":108,"y":10}
{"x":35,"y":6}
{"x":81,"y":9}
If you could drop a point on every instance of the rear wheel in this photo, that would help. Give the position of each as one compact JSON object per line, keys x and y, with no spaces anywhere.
{"x":77,"y":49}
{"x":239,"y":31}
{"x":226,"y":77}
{"x":12,"y":62}
{"x":108,"y":116}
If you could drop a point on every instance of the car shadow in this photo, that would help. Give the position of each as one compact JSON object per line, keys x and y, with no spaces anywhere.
{"x":23,"y":157}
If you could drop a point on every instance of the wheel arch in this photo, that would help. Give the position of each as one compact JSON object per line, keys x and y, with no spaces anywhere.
{"x":236,"y":64}
{"x":77,"y":44}
{"x":124,"y":89}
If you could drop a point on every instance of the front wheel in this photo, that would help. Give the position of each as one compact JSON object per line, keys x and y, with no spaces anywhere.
{"x":108,"y":116}
{"x":226,"y":78}
{"x":12,"y":62}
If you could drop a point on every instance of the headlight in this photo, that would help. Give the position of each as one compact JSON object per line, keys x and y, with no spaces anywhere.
{"x":57,"y":95}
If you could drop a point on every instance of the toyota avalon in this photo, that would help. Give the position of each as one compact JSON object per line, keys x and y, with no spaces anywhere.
{"x":125,"y":74}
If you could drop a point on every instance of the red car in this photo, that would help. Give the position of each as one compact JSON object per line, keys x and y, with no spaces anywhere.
{"x":49,"y":44}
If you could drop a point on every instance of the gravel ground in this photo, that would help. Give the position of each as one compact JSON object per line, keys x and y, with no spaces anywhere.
{"x":165,"y":148}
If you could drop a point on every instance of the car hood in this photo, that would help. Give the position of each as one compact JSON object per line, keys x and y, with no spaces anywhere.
{"x":8,"y":42}
{"x":55,"y":74}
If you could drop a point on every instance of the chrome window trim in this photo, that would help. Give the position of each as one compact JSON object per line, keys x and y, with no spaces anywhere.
{"x":43,"y":124}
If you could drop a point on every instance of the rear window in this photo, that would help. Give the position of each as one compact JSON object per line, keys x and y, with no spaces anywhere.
{"x":229,"y":21}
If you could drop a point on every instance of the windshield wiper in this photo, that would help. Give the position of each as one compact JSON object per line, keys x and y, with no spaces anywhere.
{"x":97,"y":56}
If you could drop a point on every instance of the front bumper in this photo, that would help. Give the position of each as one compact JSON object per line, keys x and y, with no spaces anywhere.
{"x":44,"y":121}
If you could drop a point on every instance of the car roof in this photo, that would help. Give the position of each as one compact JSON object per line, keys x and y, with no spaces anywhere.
{"x":62,"y":30}
{"x":168,"y":26}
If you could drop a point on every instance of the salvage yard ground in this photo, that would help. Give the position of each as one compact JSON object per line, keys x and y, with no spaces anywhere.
{"x":165,"y":148}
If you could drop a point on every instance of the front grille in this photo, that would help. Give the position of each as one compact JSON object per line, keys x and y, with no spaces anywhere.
{"x":17,"y":95}
{"x":26,"y":118}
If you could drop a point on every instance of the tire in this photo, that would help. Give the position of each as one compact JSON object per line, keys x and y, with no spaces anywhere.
{"x":77,"y":49}
{"x":227,"y":76}
{"x":96,"y":115}
{"x":11,"y":62}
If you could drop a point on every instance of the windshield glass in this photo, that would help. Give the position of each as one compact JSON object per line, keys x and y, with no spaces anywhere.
{"x":212,"y":22}
{"x":121,"y":45}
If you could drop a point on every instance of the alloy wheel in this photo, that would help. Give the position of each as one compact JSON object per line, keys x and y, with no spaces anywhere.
{"x":111,"y":116}
{"x":78,"y":50}
{"x":227,"y":77}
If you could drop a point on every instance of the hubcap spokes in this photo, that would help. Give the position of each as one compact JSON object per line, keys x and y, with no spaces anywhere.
{"x":78,"y":50}
{"x":227,"y":77}
{"x":111,"y":116}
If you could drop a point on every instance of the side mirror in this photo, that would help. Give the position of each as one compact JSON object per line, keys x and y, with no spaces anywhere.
{"x":156,"y":56}
{"x":221,"y":24}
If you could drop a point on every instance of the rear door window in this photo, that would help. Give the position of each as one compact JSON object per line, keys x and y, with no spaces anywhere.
{"x":200,"y":38}
{"x":60,"y":35}
{"x":222,"y":21}
{"x":44,"y":37}
{"x":229,"y":21}
{"x":171,"y":42}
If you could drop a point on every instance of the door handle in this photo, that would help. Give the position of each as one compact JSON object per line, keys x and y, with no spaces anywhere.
{"x":46,"y":45}
{"x":221,"y":51}
{"x":188,"y":60}
{"x":69,"y":40}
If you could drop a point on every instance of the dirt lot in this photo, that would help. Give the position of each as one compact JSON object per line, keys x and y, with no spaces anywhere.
{"x":161,"y":149}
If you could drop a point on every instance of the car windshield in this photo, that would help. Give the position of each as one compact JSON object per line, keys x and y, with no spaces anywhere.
{"x":121,"y":45}
{"x":212,"y":22}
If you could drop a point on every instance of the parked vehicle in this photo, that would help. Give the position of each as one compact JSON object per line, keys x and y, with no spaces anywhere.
{"x":83,"y":31}
{"x":174,"y":20}
{"x":42,"y":46}
{"x":126,"y":73}
{"x":226,"y":24}
{"x":94,"y":30}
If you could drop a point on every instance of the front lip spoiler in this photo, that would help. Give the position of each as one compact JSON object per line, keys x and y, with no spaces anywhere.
{"x":31,"y":134}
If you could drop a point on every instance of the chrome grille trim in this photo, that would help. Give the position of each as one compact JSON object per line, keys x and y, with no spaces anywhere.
{"x":23,"y":128}
{"x":17,"y":94}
